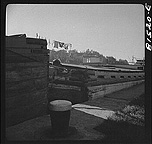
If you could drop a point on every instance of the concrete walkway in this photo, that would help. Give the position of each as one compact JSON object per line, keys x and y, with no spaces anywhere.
{"x":84,"y":117}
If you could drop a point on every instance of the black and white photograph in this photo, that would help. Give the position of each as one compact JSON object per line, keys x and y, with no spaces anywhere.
{"x":77,"y":72}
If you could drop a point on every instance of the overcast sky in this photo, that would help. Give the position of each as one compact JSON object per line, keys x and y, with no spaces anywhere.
{"x":112,"y":30}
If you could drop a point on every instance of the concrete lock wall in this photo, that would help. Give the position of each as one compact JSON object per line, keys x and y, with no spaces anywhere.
{"x":101,"y":91}
{"x":26,"y":86}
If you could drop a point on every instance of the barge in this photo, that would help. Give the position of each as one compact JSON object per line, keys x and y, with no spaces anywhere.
{"x":84,"y":82}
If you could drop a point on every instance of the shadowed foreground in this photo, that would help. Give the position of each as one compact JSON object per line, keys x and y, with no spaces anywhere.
{"x":126,"y":125}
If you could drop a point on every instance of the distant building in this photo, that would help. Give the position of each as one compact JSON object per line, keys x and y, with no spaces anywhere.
{"x":140,"y":62}
{"x":92,"y":60}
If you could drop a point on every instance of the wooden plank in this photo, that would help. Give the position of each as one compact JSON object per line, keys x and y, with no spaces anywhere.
{"x":39,"y":71}
{"x":25,"y":99}
{"x":20,"y":49}
{"x":34,"y":64}
{"x":18,"y":115}
{"x":17,"y":59}
{"x":24,"y":65}
{"x":13,"y":89}
{"x":36,"y":41}
{"x":19,"y":73}
{"x":26,"y":57}
{"x":69,"y":82}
